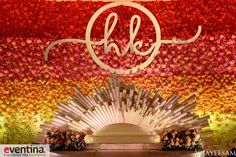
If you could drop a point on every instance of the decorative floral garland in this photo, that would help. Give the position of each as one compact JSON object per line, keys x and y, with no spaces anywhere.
{"x":182,"y":140}
{"x":65,"y":140}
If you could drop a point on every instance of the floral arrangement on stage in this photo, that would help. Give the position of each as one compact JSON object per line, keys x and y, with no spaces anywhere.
{"x":65,"y":140}
{"x":182,"y":140}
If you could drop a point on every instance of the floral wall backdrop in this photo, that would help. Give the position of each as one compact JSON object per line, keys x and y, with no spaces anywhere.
{"x":31,"y":88}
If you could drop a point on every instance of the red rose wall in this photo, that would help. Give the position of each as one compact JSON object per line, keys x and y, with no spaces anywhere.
{"x":31,"y":88}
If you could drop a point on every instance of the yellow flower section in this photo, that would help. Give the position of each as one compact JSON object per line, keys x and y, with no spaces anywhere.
{"x":25,"y":104}
{"x":223,"y":126}
{"x":19,"y":129}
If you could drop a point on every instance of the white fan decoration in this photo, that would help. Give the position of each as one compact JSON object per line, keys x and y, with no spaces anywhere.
{"x":121,"y":103}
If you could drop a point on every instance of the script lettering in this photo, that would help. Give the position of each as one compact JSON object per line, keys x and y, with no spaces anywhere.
{"x":132,"y":47}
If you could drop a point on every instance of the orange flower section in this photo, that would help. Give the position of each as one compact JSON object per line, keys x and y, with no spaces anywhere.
{"x":214,"y":93}
{"x":28,"y":96}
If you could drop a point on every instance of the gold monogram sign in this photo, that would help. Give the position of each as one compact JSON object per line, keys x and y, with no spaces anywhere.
{"x":131,"y":45}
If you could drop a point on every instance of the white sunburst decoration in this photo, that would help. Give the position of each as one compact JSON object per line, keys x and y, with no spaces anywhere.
{"x":123,"y":103}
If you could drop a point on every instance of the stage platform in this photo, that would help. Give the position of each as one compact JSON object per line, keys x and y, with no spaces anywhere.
{"x":125,"y":153}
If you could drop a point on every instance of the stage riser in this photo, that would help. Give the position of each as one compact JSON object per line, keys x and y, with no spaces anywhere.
{"x":124,"y":146}
{"x":125,"y":153}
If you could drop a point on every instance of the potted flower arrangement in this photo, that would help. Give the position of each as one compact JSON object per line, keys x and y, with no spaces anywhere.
{"x":65,"y":140}
{"x":183,"y":140}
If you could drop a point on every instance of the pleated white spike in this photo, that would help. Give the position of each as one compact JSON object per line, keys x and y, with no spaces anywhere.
{"x":120,"y":103}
